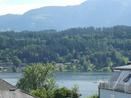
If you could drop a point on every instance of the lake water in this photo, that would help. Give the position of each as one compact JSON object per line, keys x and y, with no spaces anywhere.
{"x":87,"y":82}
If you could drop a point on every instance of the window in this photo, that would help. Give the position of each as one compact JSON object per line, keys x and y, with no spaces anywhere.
{"x":127,"y":78}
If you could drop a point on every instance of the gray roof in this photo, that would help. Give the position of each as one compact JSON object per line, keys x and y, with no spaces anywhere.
{"x":6,"y":86}
{"x":126,"y":67}
{"x":9,"y":90}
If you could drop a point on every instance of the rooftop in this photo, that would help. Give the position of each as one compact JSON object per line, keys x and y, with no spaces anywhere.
{"x":5,"y":85}
{"x":126,"y":67}
{"x":9,"y":91}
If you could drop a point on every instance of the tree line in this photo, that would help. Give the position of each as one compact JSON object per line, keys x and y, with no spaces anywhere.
{"x":78,"y":49}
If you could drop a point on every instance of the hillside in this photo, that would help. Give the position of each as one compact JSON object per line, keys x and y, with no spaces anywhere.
{"x":96,"y":13}
{"x":78,"y":49}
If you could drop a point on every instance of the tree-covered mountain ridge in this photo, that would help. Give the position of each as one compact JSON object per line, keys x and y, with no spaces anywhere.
{"x":76,"y":49}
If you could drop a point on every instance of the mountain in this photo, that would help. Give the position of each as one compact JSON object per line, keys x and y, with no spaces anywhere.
{"x":90,"y":13}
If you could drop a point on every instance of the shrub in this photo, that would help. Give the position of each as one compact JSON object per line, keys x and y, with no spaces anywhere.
{"x":65,"y":93}
{"x":93,"y":96}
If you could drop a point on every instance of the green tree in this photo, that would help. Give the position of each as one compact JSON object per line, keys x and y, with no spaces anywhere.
{"x":37,"y":76}
{"x":16,"y":61}
{"x":109,"y":64}
{"x":91,"y":66}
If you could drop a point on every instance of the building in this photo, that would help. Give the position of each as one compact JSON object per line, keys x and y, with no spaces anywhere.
{"x":119,"y":85}
{"x":3,"y":69}
{"x":9,"y":91}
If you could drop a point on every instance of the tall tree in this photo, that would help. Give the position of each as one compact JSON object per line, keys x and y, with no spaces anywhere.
{"x":37,"y":76}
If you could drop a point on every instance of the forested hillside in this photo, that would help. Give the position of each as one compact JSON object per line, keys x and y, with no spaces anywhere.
{"x":77,"y":49}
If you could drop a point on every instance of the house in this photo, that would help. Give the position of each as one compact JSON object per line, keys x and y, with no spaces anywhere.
{"x":119,"y":85}
{"x":9,"y":91}
{"x":3,"y":69}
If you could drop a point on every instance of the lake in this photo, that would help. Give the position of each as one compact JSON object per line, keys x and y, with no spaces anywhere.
{"x":87,"y":82}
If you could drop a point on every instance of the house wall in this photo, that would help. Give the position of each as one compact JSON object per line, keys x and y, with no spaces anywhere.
{"x":113,"y":94}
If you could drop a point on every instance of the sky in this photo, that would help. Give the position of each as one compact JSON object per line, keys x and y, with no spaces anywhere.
{"x":22,"y":6}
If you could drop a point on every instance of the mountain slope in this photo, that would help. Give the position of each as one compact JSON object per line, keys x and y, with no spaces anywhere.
{"x":89,"y":13}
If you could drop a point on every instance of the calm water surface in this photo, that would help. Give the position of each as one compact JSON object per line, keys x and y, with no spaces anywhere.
{"x":87,"y":82}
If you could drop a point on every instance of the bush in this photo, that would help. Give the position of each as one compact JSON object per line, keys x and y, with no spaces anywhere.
{"x":56,"y":93}
{"x":94,"y":96}
{"x":40,"y":93}
{"x":65,"y":93}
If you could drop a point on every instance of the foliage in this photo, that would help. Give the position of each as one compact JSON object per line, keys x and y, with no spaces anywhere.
{"x":65,"y":93}
{"x":37,"y":76}
{"x":56,"y":93}
{"x":84,"y":49}
{"x":40,"y":93}
{"x":37,"y":80}
{"x":94,"y":96}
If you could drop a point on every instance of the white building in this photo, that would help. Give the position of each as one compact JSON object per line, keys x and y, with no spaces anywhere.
{"x":119,"y":86}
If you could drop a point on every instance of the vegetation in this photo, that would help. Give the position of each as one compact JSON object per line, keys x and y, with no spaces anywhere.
{"x":94,"y":96}
{"x":37,"y":80}
{"x":37,"y":76}
{"x":78,"y":49}
{"x":43,"y":93}
{"x":65,"y":93}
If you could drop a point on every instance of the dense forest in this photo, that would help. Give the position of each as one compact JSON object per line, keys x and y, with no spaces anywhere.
{"x":75,"y":49}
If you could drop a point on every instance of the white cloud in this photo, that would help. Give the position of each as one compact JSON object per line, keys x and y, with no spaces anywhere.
{"x":18,"y":9}
{"x":6,"y":6}
{"x":1,"y":1}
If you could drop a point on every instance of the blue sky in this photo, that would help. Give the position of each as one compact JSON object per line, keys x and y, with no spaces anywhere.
{"x":21,"y":6}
